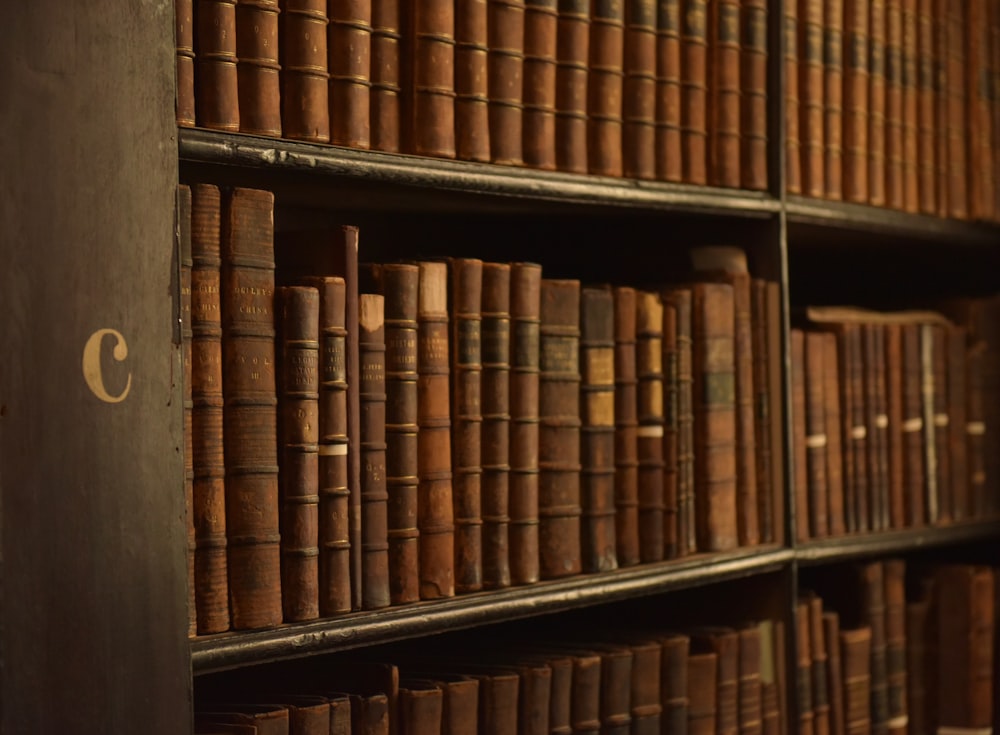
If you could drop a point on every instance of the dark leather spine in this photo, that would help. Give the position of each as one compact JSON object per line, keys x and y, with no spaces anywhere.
{"x":833,"y":387}
{"x":855,"y":654}
{"x":876,"y":103}
{"x":895,"y":645}
{"x":942,"y":121}
{"x":835,"y":676}
{"x":668,"y":91}
{"x":749,"y":682}
{"x":724,"y":93}
{"x":686,"y":531}
{"x":753,"y":105}
{"x":539,"y":92}
{"x":790,"y":66}
{"x":350,"y":38}
{"x":645,"y":707}
{"x":926,"y":115}
{"x":183,"y":235}
{"x":913,"y":429}
{"x":894,"y":412}
{"x":917,"y":644}
{"x":942,"y":438}
{"x":748,"y":522}
{"x":605,"y":80}
{"x":429,"y":89}
{"x":421,"y":708}
{"x":694,"y":91}
{"x":257,"y":67}
{"x":978,"y":93}
{"x":762,"y":410}
{"x":616,"y":690}
{"x":894,"y":141}
{"x":216,"y":90}
{"x":386,"y":63}
{"x":674,"y":684}
{"x":626,"y":424}
{"x":975,"y":429}
{"x":872,"y":594}
{"x":811,"y":104}
{"x":816,"y":439}
{"x":639,"y":92}
{"x":833,"y":98}
{"x":505,"y":79}
{"x":820,"y":668}
{"x":305,"y":109}
{"x":649,"y":369}
{"x":959,"y":128}
{"x":184,"y":44}
{"x":855,"y":427}
{"x":572,"y":54}
{"x":702,"y":672}
{"x":800,"y":454}
{"x":672,"y":517}
{"x":472,"y":126}
{"x":803,"y":670}
{"x":369,"y":715}
{"x":880,"y":503}
{"x":856,"y":66}
{"x":585,"y":717}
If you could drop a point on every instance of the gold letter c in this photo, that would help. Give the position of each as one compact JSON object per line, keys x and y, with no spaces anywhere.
{"x":92,"y":364}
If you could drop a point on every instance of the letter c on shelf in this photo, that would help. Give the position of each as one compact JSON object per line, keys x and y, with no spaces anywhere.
{"x":92,"y":364}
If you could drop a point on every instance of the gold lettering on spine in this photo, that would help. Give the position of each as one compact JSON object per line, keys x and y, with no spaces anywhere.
{"x":92,"y":364}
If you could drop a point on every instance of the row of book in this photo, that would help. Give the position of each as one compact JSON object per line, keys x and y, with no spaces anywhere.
{"x":889,"y":421}
{"x":703,"y":681}
{"x":895,"y":103}
{"x":674,"y":90}
{"x":880,"y":653}
{"x":460,"y":425}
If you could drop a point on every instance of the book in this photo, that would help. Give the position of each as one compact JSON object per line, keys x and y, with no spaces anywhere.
{"x":472,"y":125}
{"x":350,"y":46}
{"x":305,"y":98}
{"x":605,"y":78}
{"x":427,"y":87}
{"x":926,"y":115}
{"x":539,"y":88}
{"x":804,"y":690}
{"x":572,"y":55}
{"x":800,"y":453}
{"x":753,"y":95}
{"x":811,"y":104}
{"x":217,"y":103}
{"x":639,"y":90}
{"x":505,"y":30}
{"x":184,"y":45}
{"x":911,"y":107}
{"x":894,"y":132}
{"x":257,"y":67}
{"x":185,"y":258}
{"x":856,"y":103}
{"x":668,"y":148}
{"x":694,"y":91}
{"x":790,"y":69}
{"x":833,"y":98}
{"x":626,"y":477}
{"x":385,"y":76}
{"x":816,"y":439}
{"x":876,"y":104}
{"x":649,"y":369}
{"x":723,"y":120}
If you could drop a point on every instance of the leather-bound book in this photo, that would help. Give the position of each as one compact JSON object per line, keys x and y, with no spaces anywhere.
{"x":435,"y":516}
{"x":398,"y":284}
{"x":876,"y":103}
{"x":183,"y":235}
{"x":680,"y":301}
{"x":833,"y":98}
{"x":749,"y":683}
{"x":472,"y":124}
{"x":873,"y":612}
{"x":250,"y":412}
{"x":307,"y":715}
{"x":855,"y":658}
{"x":832,"y":388}
{"x":349,"y":42}
{"x":820,"y":667}
{"x":505,"y":79}
{"x":384,"y":110}
{"x":257,"y":67}
{"x":466,"y":276}
{"x":369,"y":714}
{"x":597,"y":430}
{"x":982,"y":142}
{"x":816,"y":438}
{"x":856,"y":74}
{"x":671,"y":498}
{"x":894,"y":433}
{"x":694,"y":91}
{"x":674,"y":689}
{"x":668,"y":91}
{"x":572,"y":60}
{"x":539,"y":88}
{"x":856,"y":429}
{"x":894,"y":572}
{"x":913,"y":428}
{"x":975,"y":429}
{"x":559,"y":430}
{"x":649,"y":368}
{"x":498,"y":702}
{"x":560,"y":694}
{"x":496,"y":425}
{"x":936,"y":395}
{"x":702,"y":672}
{"x":910,"y":83}
{"x":917,"y":632}
{"x":894,"y":185}
{"x":460,"y":705}
{"x":772,"y":719}
{"x":647,"y":656}
{"x":724,"y":93}
{"x":428,"y":87}
{"x":184,"y":42}
{"x":725,"y":643}
{"x":341,"y":714}
{"x":835,"y":692}
{"x":939,"y":32}
{"x":800,"y":452}
{"x":533,"y":697}
{"x":585,"y":712}
{"x":374,"y":494}
{"x":803,"y":669}
{"x":525,"y":317}
{"x":626,"y":477}
{"x":605,"y":79}
{"x":208,"y":491}
{"x":955,"y":370}
{"x":298,"y":407}
{"x":616,"y":689}
{"x":926,"y":116}
{"x":811,"y":106}
{"x":957,"y":167}
{"x":790,"y":68}
{"x":639,"y":92}
{"x":421,"y":706}
{"x":753,"y":104}
{"x":216,"y":88}
{"x":305,"y":107}
{"x":880,"y":430}
{"x":258,"y":719}
{"x":775,"y":410}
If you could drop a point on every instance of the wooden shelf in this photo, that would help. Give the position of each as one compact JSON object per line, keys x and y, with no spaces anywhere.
{"x":230,"y":650}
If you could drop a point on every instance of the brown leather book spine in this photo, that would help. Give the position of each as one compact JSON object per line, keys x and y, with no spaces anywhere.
{"x":183,"y":235}
{"x":803,"y":669}
{"x":472,"y":124}
{"x":674,"y":684}
{"x":597,"y":430}
{"x":748,"y":522}
{"x":369,"y":715}
{"x":208,"y":491}
{"x":435,"y":517}
{"x":894,"y":185}
{"x":428,"y":126}
{"x":350,"y":40}
{"x":723,"y":110}
{"x":616,"y":690}
{"x":694,"y":91}
{"x":957,"y":423}
{"x":879,"y":428}
{"x":257,"y":67}
{"x":835,"y":693}
{"x":533,"y":698}
{"x":855,"y":657}
{"x":793,"y":144}
{"x":605,"y":81}
{"x":649,"y":368}
{"x":873,"y":612}
{"x":386,"y":63}
{"x":917,"y":632}
{"x":496,"y":425}
{"x":975,"y":430}
{"x":856,"y":428}
{"x":559,"y":430}
{"x":776,"y":407}
{"x":307,"y":715}
{"x":560,"y":695}
{"x":811,"y":104}
{"x":938,"y":501}
{"x":913,"y":428}
{"x":505,"y":80}
{"x":250,"y":412}
{"x":247,"y":720}
{"x":895,"y":644}
{"x":498,"y":710}
{"x":644,"y":692}
{"x":687,"y":532}
{"x":762,"y":410}
{"x":467,"y":420}
{"x":800,"y":452}
{"x":421,"y":708}
{"x":960,"y":127}
{"x":340,"y":715}
{"x":305,"y":107}
{"x":585,"y":713}
{"x":895,"y":410}
{"x":772,"y":718}
{"x":856,"y":78}
{"x":217,"y":102}
{"x":993,"y":83}
{"x":668,"y":91}
{"x":833,"y":98}
{"x":816,"y":438}
{"x":702,"y":672}
{"x":820,"y":668}
{"x":572,"y":59}
{"x":539,"y":89}
{"x":926,"y":110}
{"x":374,"y":493}
{"x":626,"y":427}
{"x":639,"y":95}
{"x":184,"y":43}
{"x":298,"y":407}
{"x":749,"y":696}
{"x":939,"y":33}
{"x":832,"y":387}
{"x":673,"y":520}
{"x":911,"y":120}
{"x":979,"y":141}
{"x":876,"y":103}
{"x":460,"y":703}
{"x":713,"y":370}
{"x":334,"y":494}
{"x":753,"y":103}
{"x":525,"y":316}
{"x":399,"y":283}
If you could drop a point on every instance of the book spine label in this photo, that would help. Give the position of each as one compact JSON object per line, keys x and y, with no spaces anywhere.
{"x":506,"y":73}
{"x":626,"y":423}
{"x":811,"y":103}
{"x":668,"y":91}
{"x":385,"y":76}
{"x":257,"y":67}
{"x":724,"y":93}
{"x":184,"y":41}
{"x":472,"y":131}
{"x":639,"y":92}
{"x":753,"y":104}
{"x":694,"y":91}
{"x":218,"y":106}
{"x":539,"y":89}
{"x":604,"y":87}
{"x":305,"y":107}
{"x":572,"y":54}
{"x":649,"y":369}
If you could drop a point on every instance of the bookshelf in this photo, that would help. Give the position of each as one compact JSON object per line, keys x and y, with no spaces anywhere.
{"x":92,"y":575}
